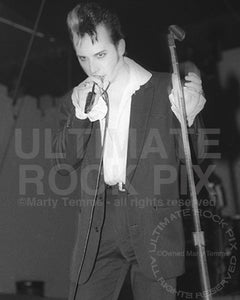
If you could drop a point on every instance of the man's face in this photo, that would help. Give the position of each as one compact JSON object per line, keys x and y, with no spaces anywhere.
{"x":101,"y":57}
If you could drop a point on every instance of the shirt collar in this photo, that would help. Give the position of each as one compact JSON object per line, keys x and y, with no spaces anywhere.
{"x":138,"y":75}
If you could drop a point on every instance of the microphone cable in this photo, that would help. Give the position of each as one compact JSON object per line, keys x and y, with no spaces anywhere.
{"x":106,"y":99}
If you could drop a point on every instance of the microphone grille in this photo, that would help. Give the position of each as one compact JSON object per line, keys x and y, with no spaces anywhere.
{"x":178,"y":32}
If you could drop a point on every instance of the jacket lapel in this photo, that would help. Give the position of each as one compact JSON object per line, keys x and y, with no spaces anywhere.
{"x":140,"y":113}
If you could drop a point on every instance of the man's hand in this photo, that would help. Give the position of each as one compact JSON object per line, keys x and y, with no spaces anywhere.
{"x":79,"y":97}
{"x":193,"y":94}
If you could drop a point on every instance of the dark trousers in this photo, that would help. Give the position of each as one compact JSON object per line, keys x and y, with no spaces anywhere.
{"x":116,"y":257}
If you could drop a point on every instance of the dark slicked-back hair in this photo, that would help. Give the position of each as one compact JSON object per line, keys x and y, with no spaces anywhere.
{"x":86,"y":16}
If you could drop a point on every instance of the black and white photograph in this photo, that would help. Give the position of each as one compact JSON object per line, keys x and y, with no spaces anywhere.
{"x":119,"y":150}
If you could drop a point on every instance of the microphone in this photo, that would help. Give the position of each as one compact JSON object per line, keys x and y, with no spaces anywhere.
{"x":178,"y":32}
{"x":90,"y":100}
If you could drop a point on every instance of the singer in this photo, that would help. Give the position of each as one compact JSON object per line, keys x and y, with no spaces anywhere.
{"x":120,"y":133}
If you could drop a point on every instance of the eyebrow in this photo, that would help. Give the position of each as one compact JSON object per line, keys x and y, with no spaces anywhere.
{"x":93,"y":54}
{"x":99,"y":52}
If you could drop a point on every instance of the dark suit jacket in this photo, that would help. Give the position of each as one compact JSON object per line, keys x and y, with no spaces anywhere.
{"x":154,"y":156}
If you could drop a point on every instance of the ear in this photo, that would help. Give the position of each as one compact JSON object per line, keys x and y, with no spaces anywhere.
{"x":121,"y":47}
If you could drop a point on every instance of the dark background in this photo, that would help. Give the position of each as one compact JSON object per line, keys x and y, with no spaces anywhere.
{"x":211,"y":27}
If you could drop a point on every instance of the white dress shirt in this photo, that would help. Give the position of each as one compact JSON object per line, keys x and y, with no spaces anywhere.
{"x":116,"y":141}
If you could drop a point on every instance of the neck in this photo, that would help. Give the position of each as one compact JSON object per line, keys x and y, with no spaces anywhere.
{"x":121,"y":73}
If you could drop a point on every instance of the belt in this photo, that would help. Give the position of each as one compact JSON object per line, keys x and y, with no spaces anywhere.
{"x":118,"y":186}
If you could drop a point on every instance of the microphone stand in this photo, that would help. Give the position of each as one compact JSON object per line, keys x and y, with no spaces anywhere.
{"x":198,"y":235}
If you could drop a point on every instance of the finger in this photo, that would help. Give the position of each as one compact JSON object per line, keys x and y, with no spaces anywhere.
{"x":193,"y":87}
{"x":194,"y":74}
{"x":86,"y":85}
{"x":192,"y":84}
{"x":96,"y":80}
{"x":193,"y":78}
{"x":98,"y":89}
